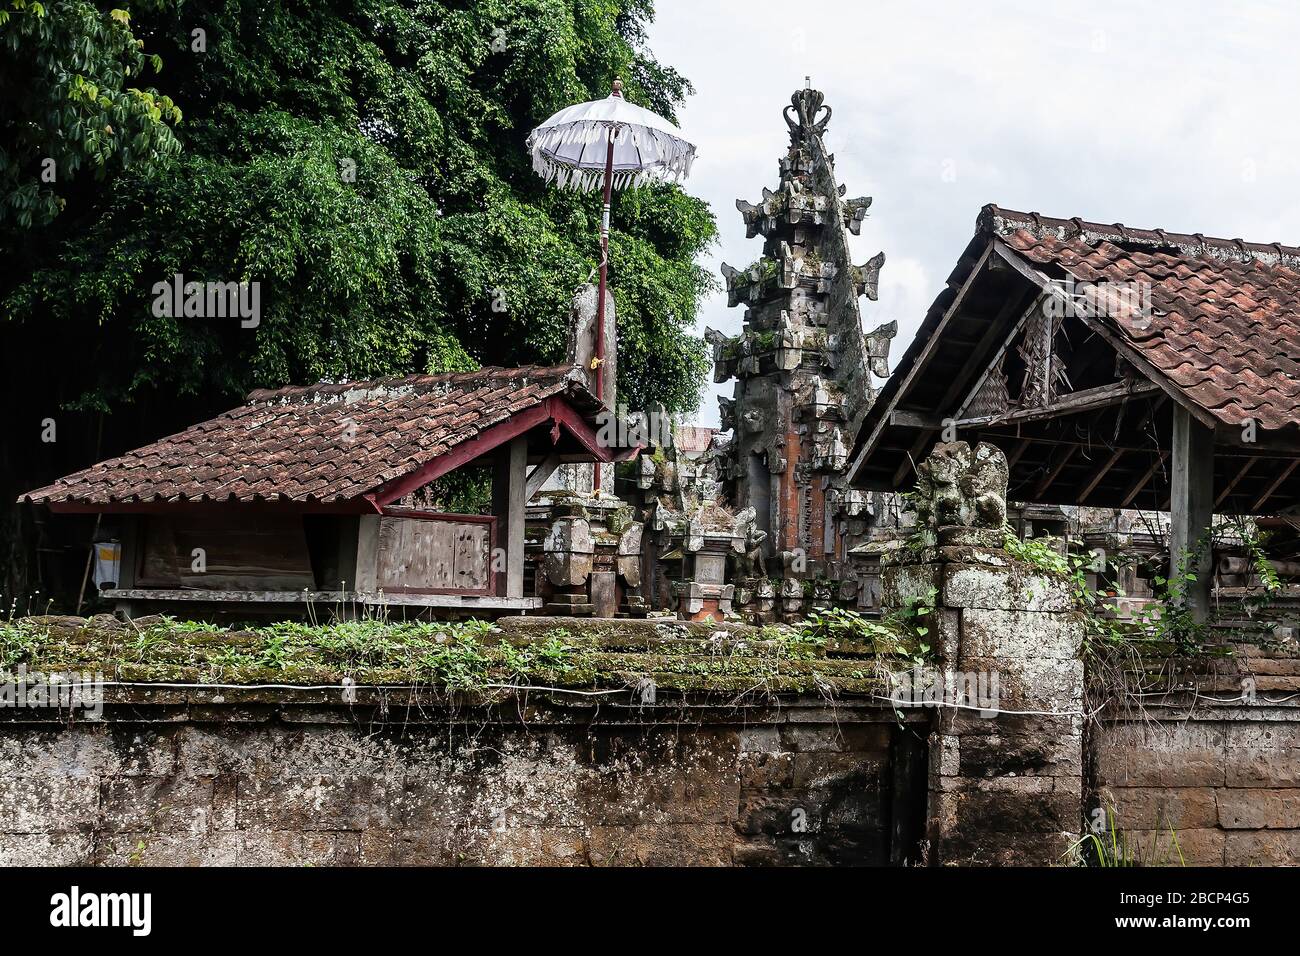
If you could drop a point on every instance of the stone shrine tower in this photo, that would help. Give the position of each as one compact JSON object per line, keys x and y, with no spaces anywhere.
{"x":802,"y":364}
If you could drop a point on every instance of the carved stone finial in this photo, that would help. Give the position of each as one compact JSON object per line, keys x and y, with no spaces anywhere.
{"x":806,"y":103}
{"x":866,"y":277}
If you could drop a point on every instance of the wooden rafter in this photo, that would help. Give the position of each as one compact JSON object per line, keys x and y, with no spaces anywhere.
{"x":1274,"y":486}
{"x":1115,"y":456}
{"x":979,"y":357}
{"x":1144,"y":480}
{"x":997,"y":357}
{"x":922,"y":360}
{"x":1132,"y":355}
{"x":1054,"y":470}
{"x":1223,"y":495}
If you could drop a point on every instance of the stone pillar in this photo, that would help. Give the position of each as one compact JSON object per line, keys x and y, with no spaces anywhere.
{"x":1005,"y":776}
{"x":703,"y":593}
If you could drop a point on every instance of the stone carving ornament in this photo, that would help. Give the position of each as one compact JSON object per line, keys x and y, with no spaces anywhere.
{"x":960,"y":486}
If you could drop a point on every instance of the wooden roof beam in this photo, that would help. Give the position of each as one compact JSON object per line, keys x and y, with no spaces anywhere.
{"x":1088,"y":399}
{"x":1145,"y":480}
{"x":1088,"y":489}
{"x":1223,"y":495}
{"x":927,"y":353}
{"x":1054,"y":470}
{"x":1274,"y":486}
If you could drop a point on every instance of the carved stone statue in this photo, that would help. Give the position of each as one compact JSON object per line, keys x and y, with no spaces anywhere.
{"x":749,"y":562}
{"x":963,"y":487}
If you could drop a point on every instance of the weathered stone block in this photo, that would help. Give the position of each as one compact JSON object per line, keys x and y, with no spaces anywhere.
{"x":989,"y":813}
{"x":1050,"y":685}
{"x":1259,"y":809}
{"x":900,"y":583}
{"x":1015,"y":589}
{"x":157,"y":804}
{"x":843,"y":738}
{"x":1020,"y":634}
{"x":1048,"y":848}
{"x":46,"y":849}
{"x":851,"y":770}
{"x":1264,"y":736}
{"x":168,"y":849}
{"x":1262,"y":848}
{"x":1192,"y":847}
{"x":1186,"y":755}
{"x":1262,"y":768}
{"x":766,"y":771}
{"x":1154,"y":808}
{"x":60,"y":804}
{"x":317,"y":802}
{"x":661,"y":845}
{"x":1021,"y":755}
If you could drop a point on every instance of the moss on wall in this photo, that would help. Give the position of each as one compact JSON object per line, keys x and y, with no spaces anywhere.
{"x":540,"y":651}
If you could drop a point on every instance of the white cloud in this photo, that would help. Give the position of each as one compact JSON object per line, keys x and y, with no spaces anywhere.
{"x":1175,"y":116}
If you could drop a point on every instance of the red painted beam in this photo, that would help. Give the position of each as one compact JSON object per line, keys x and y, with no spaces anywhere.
{"x":555,"y":410}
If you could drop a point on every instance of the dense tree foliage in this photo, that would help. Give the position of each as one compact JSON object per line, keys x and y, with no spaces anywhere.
{"x":362,"y":162}
{"x":72,"y":75}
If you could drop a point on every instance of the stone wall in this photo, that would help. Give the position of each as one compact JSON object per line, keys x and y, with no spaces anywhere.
{"x":1223,"y":777}
{"x":1006,"y":753}
{"x":728,"y":749}
{"x":182,"y":778}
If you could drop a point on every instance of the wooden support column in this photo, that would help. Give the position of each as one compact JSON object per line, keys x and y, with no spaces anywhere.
{"x":509,"y":496}
{"x":132,"y":539}
{"x":1191,"y":506}
{"x":366,"y":568}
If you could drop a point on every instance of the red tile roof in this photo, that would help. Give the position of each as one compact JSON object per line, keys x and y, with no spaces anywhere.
{"x":318,"y":442}
{"x":1224,"y":327}
{"x":693,"y":438}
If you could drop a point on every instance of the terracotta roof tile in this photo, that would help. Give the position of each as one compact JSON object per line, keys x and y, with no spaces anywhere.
{"x":1223,"y":331}
{"x":291,"y":443}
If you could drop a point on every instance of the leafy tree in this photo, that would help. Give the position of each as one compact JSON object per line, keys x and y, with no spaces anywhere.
{"x":71,"y":75}
{"x":363,"y":163}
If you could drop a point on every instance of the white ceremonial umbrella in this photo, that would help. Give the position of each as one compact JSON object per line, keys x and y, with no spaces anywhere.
{"x":608,"y":143}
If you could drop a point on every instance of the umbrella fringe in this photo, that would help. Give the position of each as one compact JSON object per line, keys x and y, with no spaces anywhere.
{"x":669,"y":158}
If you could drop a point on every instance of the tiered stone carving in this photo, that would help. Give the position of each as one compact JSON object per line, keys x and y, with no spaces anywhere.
{"x":590,"y":560}
{"x":803,"y":368}
{"x":690,"y":535}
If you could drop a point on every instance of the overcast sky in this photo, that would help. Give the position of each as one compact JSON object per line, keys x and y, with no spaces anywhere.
{"x":1180,"y":116}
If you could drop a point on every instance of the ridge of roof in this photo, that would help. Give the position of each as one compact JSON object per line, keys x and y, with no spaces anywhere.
{"x":416,"y":384}
{"x":995,"y":219}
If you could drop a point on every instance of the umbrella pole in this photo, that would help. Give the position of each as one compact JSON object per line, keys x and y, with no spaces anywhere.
{"x":600,"y":292}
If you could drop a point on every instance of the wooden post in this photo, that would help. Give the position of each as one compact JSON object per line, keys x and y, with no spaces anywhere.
{"x":1191,"y":507}
{"x":132,"y":533}
{"x":366,"y":569}
{"x":509,"y":498}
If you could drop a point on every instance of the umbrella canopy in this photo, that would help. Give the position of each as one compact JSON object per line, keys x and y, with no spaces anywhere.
{"x":570,"y":148}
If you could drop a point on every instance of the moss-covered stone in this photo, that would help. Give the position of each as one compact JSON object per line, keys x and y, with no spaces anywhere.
{"x":521,"y":651}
